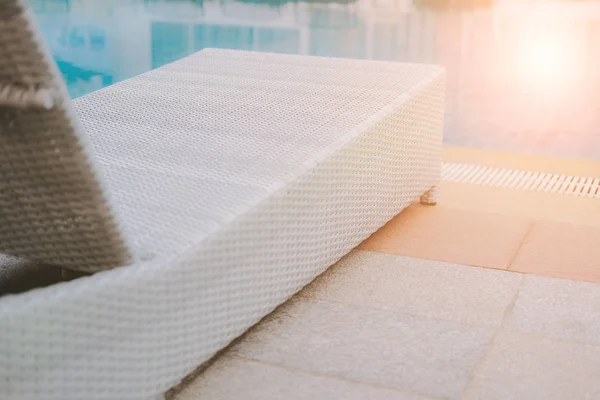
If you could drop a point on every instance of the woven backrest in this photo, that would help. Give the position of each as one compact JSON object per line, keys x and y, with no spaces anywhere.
{"x":52,"y":207}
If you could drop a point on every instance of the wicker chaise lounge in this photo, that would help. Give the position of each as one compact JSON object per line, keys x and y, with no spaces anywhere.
{"x":197,"y":196}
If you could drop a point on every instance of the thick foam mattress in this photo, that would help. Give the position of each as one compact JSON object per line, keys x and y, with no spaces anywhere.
{"x":235,"y":179}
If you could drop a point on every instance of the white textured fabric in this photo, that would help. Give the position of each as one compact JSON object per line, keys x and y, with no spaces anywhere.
{"x":237,"y":178}
{"x":219,"y":131}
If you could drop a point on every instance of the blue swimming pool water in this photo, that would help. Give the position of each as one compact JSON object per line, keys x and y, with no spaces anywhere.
{"x":522,"y":76}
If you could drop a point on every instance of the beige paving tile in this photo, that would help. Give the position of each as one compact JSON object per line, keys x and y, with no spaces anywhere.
{"x":432,"y":289}
{"x":562,"y":250}
{"x":525,"y":203}
{"x":497,"y":200}
{"x":527,"y":367}
{"x":415,"y":354}
{"x":452,"y":235}
{"x":557,"y":308}
{"x":241,"y":379}
{"x":578,"y":210}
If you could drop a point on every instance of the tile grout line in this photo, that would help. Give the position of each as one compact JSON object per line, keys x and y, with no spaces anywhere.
{"x":541,"y":336}
{"x":470,"y":265}
{"x":520,"y":247}
{"x":314,"y":299}
{"x":331,"y":376}
{"x":509,"y":309}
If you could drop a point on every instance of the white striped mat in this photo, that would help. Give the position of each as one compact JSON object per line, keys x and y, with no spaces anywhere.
{"x":523,"y":180}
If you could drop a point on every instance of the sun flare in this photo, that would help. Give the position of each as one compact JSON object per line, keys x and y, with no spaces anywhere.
{"x":547,"y":62}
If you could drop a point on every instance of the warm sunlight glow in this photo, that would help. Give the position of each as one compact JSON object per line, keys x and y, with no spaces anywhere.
{"x":546,"y":63}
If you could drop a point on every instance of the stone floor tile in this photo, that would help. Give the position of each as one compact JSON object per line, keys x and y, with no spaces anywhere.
{"x":237,"y":378}
{"x":557,"y":308}
{"x":415,"y":354}
{"x":562,"y":250}
{"x":452,"y":235}
{"x":420,"y":287}
{"x":527,"y":367}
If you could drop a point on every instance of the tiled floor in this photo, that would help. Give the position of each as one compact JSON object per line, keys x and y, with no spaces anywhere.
{"x":561,"y":250}
{"x":409,"y":315}
{"x":533,"y":244}
{"x":453,"y":235}
{"x":519,"y":230}
{"x":378,"y":326}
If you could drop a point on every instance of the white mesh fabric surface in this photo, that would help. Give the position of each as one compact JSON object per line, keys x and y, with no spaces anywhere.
{"x":238,"y":177}
{"x":51,"y":205}
{"x":186,"y":147}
